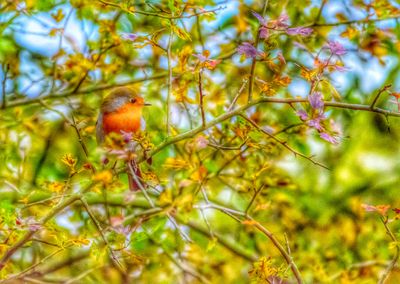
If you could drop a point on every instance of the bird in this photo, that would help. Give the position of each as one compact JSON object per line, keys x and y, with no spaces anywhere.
{"x":121,"y":113}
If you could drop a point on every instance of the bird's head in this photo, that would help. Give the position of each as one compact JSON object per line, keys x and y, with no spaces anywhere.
{"x":122,"y":97}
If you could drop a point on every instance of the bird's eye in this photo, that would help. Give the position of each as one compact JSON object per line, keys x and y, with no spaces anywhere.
{"x":133,"y":100}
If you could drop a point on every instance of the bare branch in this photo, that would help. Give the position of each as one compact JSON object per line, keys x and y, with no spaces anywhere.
{"x":382,"y":90}
{"x":94,"y":89}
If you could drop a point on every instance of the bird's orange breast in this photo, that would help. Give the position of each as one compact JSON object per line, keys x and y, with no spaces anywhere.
{"x":126,"y":119}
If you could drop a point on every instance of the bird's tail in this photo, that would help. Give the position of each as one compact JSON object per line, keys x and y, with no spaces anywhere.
{"x":134,"y":176}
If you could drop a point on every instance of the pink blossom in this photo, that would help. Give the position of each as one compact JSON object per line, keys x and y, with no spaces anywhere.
{"x":300,"y":45}
{"x":368,"y":208}
{"x":380,"y":209}
{"x":126,"y":136}
{"x":303,"y":31}
{"x":340,"y":68}
{"x":248,"y":50}
{"x":264,"y":32}
{"x":302,"y":114}
{"x":281,"y":22}
{"x":34,"y":227}
{"x":260,"y":18}
{"x":206,"y":62}
{"x":336,"y":48}
{"x":316,"y":123}
{"x":328,"y":137}
{"x":281,"y":58}
{"x":201,"y":142}
{"x":129,"y":36}
{"x":316,"y":101}
{"x":200,"y":56}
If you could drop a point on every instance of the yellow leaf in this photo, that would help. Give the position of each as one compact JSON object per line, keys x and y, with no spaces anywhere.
{"x":90,"y":129}
{"x":53,"y":32}
{"x":308,"y":74}
{"x":199,"y":174}
{"x":56,"y":187}
{"x":24,"y":200}
{"x":104,"y":177}
{"x":181,"y":33}
{"x":249,"y":222}
{"x":58,"y":16}
{"x":166,"y":197}
{"x":80,"y":241}
{"x":241,"y":24}
{"x":68,"y":160}
{"x":331,"y":89}
{"x":212,"y":243}
{"x":175,"y":163}
{"x":350,"y":33}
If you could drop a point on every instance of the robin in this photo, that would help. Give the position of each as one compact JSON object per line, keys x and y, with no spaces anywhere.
{"x":121,"y":113}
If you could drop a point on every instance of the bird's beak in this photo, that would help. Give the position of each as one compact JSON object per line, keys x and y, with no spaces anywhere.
{"x":147,"y":104}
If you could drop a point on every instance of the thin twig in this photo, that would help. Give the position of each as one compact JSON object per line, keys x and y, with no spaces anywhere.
{"x":201,"y":100}
{"x":283,"y":143}
{"x":359,"y":265}
{"x":94,"y":89}
{"x":80,"y":140}
{"x":231,"y":148}
{"x":150,"y":201}
{"x":235,"y":248}
{"x":198,"y":26}
{"x":232,"y":105}
{"x":381,"y":91}
{"x":253,"y":63}
{"x":88,"y":70}
{"x":180,"y":265}
{"x":320,"y":11}
{"x":351,"y":22}
{"x":6,"y":68}
{"x":257,"y":191}
{"x":160,"y":15}
{"x":169,"y":80}
{"x":82,"y":275}
{"x":114,"y":258}
{"x":396,"y":256}
{"x":22,"y":273}
{"x":235,"y":214}
{"x":282,"y":250}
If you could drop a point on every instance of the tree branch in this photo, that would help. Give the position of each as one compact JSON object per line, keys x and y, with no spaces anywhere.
{"x":6,"y":68}
{"x":30,"y":233}
{"x":350,"y":22}
{"x":235,"y":112}
{"x":382,"y":90}
{"x":94,"y":89}
{"x":235,"y":214}
{"x":160,"y":15}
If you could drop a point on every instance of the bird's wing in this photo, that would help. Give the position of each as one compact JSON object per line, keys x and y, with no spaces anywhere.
{"x":99,"y":129}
